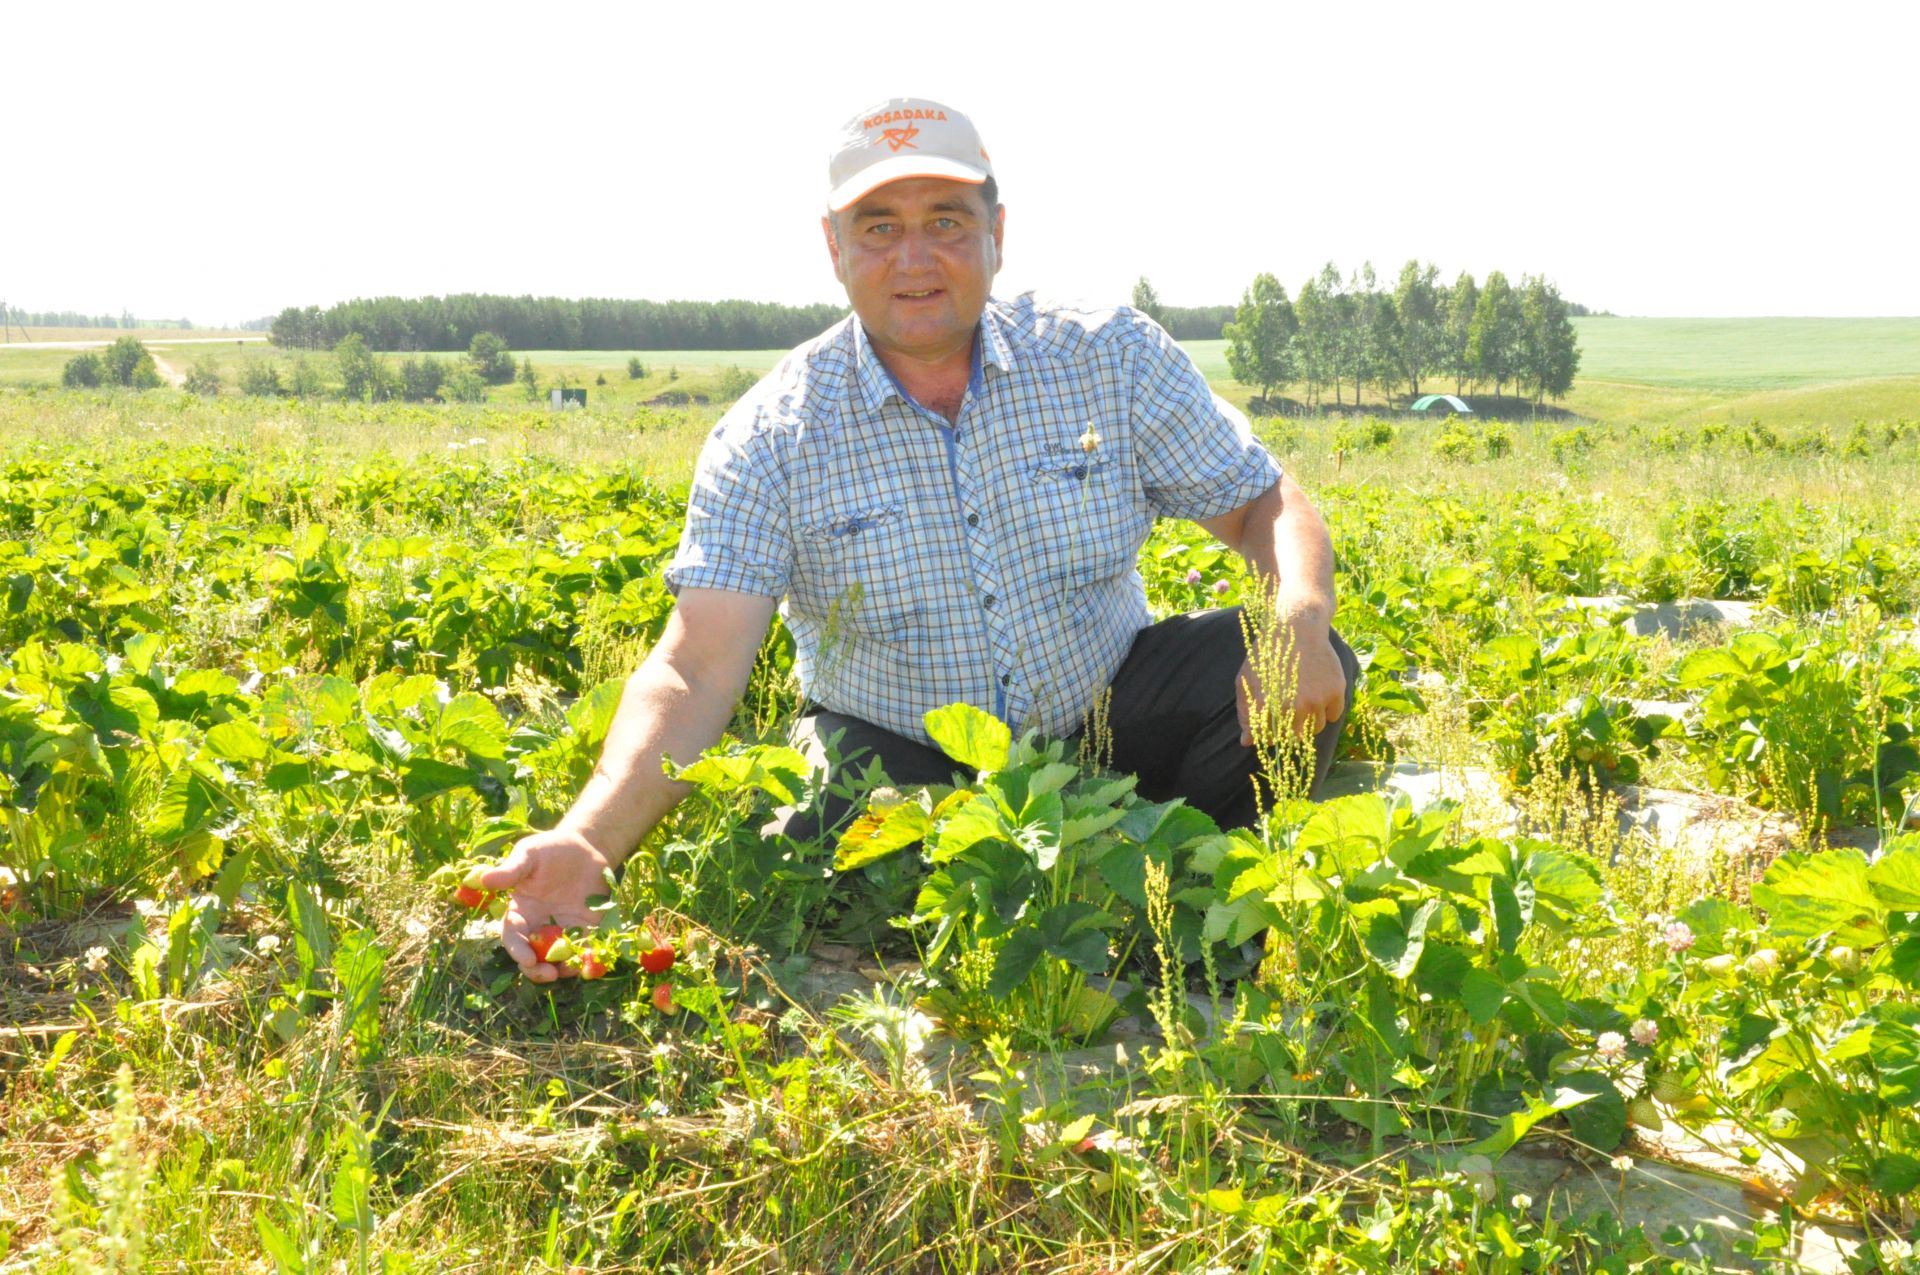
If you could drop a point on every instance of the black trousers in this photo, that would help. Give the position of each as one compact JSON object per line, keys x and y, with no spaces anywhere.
{"x":1171,"y":714}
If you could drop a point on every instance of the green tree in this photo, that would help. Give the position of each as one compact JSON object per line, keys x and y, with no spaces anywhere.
{"x":1493,"y":341}
{"x":363,"y":376}
{"x":490,"y":358}
{"x":1385,"y":338}
{"x":1345,"y":339}
{"x":1147,"y":302}
{"x":1550,"y":352}
{"x":1456,"y":324}
{"x":1313,"y":358}
{"x":636,"y":370}
{"x":1416,"y":298}
{"x":1260,"y":338}
{"x":529,"y":383}
{"x":127,"y":362}
{"x":83,"y":371}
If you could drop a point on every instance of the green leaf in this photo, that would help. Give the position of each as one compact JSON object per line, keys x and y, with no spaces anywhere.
{"x":471,"y":723}
{"x":1347,"y":833}
{"x":879,"y":832}
{"x":189,"y":801}
{"x":1568,"y":883}
{"x":1807,"y":895}
{"x":777,"y":770}
{"x":591,"y":716}
{"x":979,"y":820}
{"x":1600,"y":1123}
{"x":238,"y":740}
{"x":1710,"y":919}
{"x":1018,"y":955}
{"x":1516,"y":1124}
{"x":1896,"y":1173}
{"x":969,"y":736}
{"x":1396,"y":948}
{"x":1895,"y":879}
{"x":1483,"y":994}
{"x":424,"y":778}
{"x":1508,"y":918}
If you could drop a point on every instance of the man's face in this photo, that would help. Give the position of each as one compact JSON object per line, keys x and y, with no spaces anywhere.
{"x":917,"y":257}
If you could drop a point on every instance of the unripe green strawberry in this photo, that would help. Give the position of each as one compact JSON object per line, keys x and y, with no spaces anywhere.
{"x":1668,"y":1087}
{"x":1845,"y":960}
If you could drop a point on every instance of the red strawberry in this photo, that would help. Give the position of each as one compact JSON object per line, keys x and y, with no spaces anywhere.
{"x":592,"y":966}
{"x":543,"y":939}
{"x":663,"y":998}
{"x":658,"y":960}
{"x":468,"y":897}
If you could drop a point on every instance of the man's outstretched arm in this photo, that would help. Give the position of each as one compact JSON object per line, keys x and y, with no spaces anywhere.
{"x":675,"y":704}
{"x":1286,"y":545}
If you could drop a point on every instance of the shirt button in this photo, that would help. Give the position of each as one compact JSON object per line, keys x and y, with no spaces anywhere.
{"x":988,"y":600}
{"x":1006,"y":679}
{"x":973,"y":520}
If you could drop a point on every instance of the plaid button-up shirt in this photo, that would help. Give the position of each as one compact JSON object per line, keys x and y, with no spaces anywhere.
{"x":989,"y":560}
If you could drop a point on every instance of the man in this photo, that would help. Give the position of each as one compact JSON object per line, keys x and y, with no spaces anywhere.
{"x":949,"y":492}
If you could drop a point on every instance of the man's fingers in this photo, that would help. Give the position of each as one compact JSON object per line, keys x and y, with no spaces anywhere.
{"x":509,"y":872}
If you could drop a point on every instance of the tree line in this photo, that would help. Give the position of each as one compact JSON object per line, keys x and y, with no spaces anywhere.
{"x":75,"y":319}
{"x":551,"y":323}
{"x":1348,"y":332}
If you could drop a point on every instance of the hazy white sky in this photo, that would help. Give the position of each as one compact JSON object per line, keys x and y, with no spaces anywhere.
{"x":1680,"y":158}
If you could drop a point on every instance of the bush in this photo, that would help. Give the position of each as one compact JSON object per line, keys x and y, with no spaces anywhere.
{"x":305,"y":380}
{"x":465,"y":385}
{"x":600,"y":379}
{"x":1454,"y":446}
{"x":529,"y":383}
{"x":1571,"y":443}
{"x":202,"y":380}
{"x":635,"y":368}
{"x":83,"y":371}
{"x":490,"y":358}
{"x":734,"y":382}
{"x":420,"y":379}
{"x":262,"y":380}
{"x":1497,"y":441}
{"x":127,"y":362}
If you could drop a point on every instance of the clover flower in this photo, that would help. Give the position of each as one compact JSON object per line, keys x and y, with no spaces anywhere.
{"x":1193,"y":575}
{"x":1645,"y":1031}
{"x":1611,"y":1047}
{"x":1090,"y":439}
{"x":1220,"y":588}
{"x":1678,"y":936}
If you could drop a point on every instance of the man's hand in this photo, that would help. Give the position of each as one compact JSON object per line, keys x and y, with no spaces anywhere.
{"x":1320,"y":691}
{"x":552,"y":874}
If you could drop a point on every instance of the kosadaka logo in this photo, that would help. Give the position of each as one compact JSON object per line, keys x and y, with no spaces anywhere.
{"x":898,"y":137}
{"x":894,"y":117}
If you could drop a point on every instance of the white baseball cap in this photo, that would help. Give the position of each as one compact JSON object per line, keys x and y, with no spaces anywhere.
{"x":903,"y":137}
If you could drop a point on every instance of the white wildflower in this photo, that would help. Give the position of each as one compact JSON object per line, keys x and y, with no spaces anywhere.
{"x":1611,"y":1047}
{"x":96,"y":959}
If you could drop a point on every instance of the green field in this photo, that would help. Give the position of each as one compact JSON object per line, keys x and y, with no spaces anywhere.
{"x":1633,"y":371}
{"x":1747,"y":354}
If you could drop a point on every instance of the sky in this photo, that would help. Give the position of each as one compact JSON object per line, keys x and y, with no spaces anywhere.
{"x":219,"y":162}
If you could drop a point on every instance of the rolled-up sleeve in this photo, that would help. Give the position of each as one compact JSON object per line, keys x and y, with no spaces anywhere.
{"x":737,"y":535}
{"x":1198,"y":457}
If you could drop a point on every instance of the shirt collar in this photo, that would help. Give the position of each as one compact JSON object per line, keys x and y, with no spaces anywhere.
{"x":876,"y":384}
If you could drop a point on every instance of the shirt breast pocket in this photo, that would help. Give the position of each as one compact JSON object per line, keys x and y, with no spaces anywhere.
{"x":1087,"y":519}
{"x":855,"y":573}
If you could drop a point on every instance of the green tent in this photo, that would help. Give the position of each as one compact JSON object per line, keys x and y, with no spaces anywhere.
{"x":1452,"y":402}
